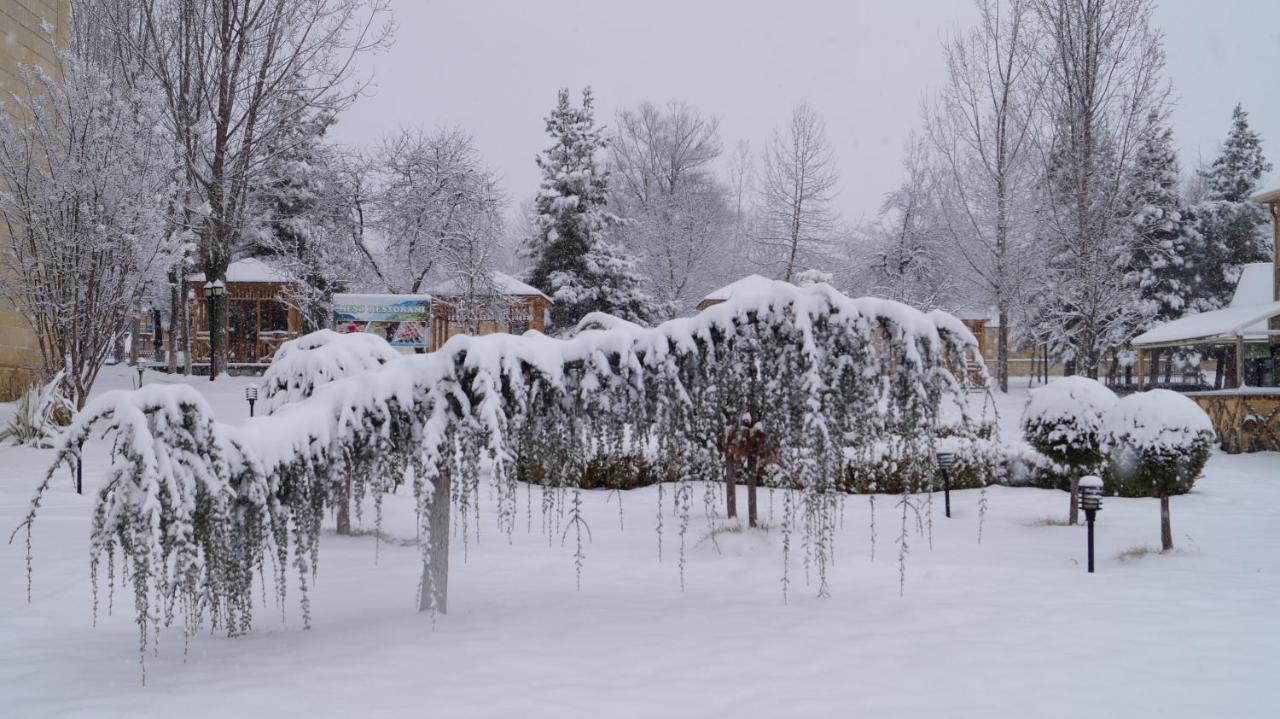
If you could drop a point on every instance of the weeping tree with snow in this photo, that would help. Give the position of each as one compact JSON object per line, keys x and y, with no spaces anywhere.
{"x":194,"y":509}
{"x":301,"y":366}
{"x":1064,"y":421}
{"x":1159,"y":442}
{"x":572,"y":260}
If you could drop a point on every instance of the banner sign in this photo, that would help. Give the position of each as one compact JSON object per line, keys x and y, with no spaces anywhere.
{"x":402,"y":320}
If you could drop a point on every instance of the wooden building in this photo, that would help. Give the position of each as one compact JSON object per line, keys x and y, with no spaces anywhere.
{"x":519,"y":307}
{"x":747,"y":284}
{"x":259,"y":319}
{"x":1243,"y":398}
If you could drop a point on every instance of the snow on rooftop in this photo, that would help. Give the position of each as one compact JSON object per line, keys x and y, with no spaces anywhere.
{"x":1251,"y":306}
{"x":1205,"y":325}
{"x":1256,"y":285}
{"x":250,"y":269}
{"x":508,"y":284}
{"x":747,"y":285}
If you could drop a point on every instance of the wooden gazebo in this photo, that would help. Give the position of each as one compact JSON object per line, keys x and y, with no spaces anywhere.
{"x":259,"y":319}
{"x":1243,"y":340}
{"x":518,"y":307}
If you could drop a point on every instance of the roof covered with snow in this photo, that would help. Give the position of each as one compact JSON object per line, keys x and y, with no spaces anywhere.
{"x":745,"y":286}
{"x":250,"y":269}
{"x":1256,"y":285}
{"x":506,"y":283}
{"x":1251,"y":306}
{"x":1227,"y":322}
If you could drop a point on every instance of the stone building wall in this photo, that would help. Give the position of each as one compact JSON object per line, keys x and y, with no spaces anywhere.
{"x":23,"y":41}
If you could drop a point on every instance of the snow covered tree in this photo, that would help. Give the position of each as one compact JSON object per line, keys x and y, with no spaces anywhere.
{"x":1101,"y":75}
{"x":1064,"y":420}
{"x":224,"y":67}
{"x":434,"y":199}
{"x":300,"y":208}
{"x":983,"y":128}
{"x":903,"y":257}
{"x":679,"y":220}
{"x":1234,"y":230}
{"x":573,"y":261}
{"x":796,"y":223}
{"x":1163,"y":257}
{"x":1159,"y":441}
{"x":195,"y":509}
{"x":303,"y":365}
{"x":84,"y":184}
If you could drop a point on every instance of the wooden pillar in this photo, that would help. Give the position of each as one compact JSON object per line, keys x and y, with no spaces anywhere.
{"x":1239,"y":360}
{"x":1142,"y":368}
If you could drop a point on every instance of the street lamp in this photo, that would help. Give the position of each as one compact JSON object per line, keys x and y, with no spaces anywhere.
{"x":946,"y":461}
{"x":1090,"y":502}
{"x":251,"y":394}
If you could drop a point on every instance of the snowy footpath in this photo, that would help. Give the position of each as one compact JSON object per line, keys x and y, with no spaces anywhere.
{"x":1009,"y":627}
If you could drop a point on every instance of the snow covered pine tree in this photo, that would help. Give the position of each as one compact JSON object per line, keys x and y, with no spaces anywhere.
{"x":573,"y":262}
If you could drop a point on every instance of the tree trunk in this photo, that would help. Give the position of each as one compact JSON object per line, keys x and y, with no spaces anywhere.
{"x":344,"y":509}
{"x":435,"y":571}
{"x":730,"y":485}
{"x":157,"y":341}
{"x":1166,"y":531}
{"x":174,"y":321}
{"x":134,"y":332}
{"x":1002,"y":352}
{"x":186,"y":334}
{"x":753,"y":481}
{"x":1074,"y":517}
{"x":216,"y":309}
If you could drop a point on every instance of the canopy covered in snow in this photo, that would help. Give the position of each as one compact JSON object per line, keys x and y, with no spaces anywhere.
{"x":751,"y":284}
{"x":506,"y":283}
{"x":250,"y":269}
{"x":1248,"y":321}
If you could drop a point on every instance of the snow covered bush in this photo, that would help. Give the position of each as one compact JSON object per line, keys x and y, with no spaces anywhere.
{"x":195,"y":507}
{"x":41,"y":411}
{"x":318,"y":358}
{"x":1063,"y":421}
{"x":1159,"y":442}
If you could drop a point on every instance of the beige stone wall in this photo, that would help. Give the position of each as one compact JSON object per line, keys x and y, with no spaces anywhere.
{"x":23,"y":42}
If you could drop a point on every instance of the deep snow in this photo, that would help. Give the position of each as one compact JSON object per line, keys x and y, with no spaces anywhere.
{"x":1009,"y":627}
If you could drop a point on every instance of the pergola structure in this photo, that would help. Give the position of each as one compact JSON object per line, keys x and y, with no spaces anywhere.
{"x":1244,"y":341}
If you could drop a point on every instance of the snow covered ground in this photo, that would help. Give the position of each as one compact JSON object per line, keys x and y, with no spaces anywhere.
{"x":1010,"y":627}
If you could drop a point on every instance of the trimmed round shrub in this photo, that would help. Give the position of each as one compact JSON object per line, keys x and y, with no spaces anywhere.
{"x":1158,"y":442}
{"x":1063,"y":420}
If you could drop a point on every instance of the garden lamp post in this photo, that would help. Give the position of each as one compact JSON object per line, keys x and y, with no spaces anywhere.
{"x":946,"y":461}
{"x":1090,"y":502}
{"x":251,"y":394}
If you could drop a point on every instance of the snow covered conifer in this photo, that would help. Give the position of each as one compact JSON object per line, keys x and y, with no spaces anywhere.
{"x":1064,"y":421}
{"x":1159,"y":442}
{"x":1233,"y":228}
{"x":1163,"y":261}
{"x":573,"y":263}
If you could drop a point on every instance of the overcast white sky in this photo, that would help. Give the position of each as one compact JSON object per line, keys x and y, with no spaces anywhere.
{"x":493,"y":68}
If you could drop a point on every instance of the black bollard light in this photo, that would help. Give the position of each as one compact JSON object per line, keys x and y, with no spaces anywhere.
{"x":1091,"y":503}
{"x":251,"y":394}
{"x":946,"y":461}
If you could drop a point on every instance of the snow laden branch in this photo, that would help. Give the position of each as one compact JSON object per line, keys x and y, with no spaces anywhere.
{"x":195,"y":508}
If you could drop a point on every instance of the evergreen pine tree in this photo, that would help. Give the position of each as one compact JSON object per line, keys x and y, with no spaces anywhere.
{"x":1232,"y":227}
{"x":297,"y":213}
{"x":573,"y":262}
{"x":1162,"y":263}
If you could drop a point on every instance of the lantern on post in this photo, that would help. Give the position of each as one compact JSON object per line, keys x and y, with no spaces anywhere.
{"x":1090,"y":502}
{"x":946,"y":462}
{"x":251,"y":394}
